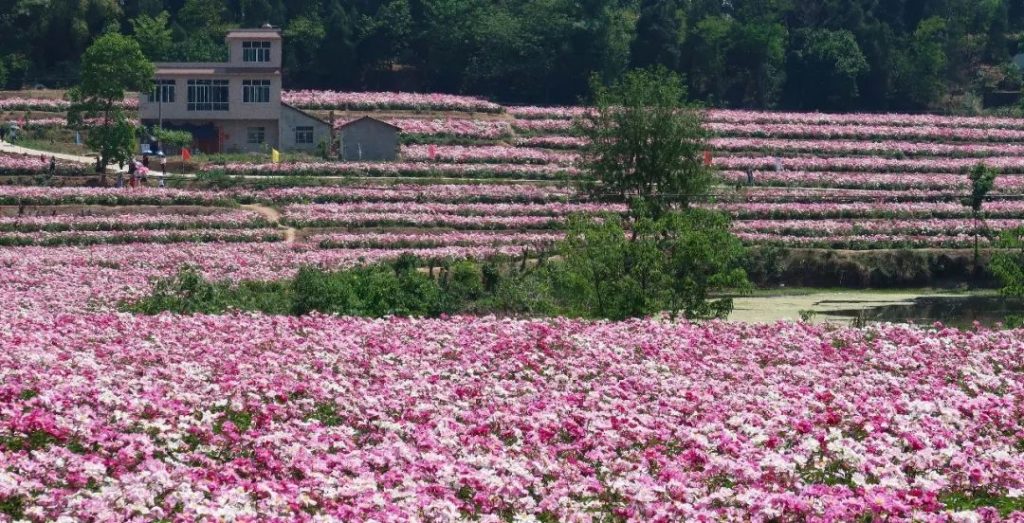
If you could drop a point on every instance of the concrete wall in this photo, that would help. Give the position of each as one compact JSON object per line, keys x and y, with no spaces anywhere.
{"x":369,"y":140}
{"x":237,"y":110}
{"x":292,"y":118}
{"x":236,"y":135}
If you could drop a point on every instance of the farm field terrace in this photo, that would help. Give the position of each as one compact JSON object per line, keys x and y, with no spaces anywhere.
{"x":110,"y":416}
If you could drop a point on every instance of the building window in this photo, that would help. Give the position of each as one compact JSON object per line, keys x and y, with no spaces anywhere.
{"x":256,"y":135}
{"x":255,"y":51}
{"x":208,"y":95}
{"x":256,"y":91}
{"x":163,"y":91}
{"x":303,"y":136}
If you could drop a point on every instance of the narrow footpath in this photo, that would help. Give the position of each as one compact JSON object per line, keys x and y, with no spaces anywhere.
{"x":273,"y":216}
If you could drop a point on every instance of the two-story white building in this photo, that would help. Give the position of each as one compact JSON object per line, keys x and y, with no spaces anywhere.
{"x":232,"y":106}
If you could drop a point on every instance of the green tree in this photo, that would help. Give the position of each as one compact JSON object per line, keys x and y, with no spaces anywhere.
{"x":172,"y":140}
{"x":710,"y":43}
{"x":1008,"y":267}
{"x":303,"y":37}
{"x":757,"y":63}
{"x":825,"y":67}
{"x":682,"y":263}
{"x":920,"y":68}
{"x":646,"y":144}
{"x":112,"y":66}
{"x":659,"y":34}
{"x":153,"y":35}
{"x":982,"y":178}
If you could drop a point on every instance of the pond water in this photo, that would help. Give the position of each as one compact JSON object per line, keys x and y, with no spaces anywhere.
{"x":954,"y":311}
{"x":920,"y":307}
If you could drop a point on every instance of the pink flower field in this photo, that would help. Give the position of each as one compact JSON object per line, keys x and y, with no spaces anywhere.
{"x":111,"y":417}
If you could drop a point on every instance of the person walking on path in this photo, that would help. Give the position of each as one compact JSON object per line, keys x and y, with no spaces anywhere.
{"x":120,"y":179}
{"x":53,"y":165}
{"x":163,"y":165}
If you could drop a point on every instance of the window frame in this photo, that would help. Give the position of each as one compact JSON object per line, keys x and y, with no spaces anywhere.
{"x":256,"y":91}
{"x":256,"y":51}
{"x":304,"y":131}
{"x":260,"y":133}
{"x":208,"y":95}
{"x":165,"y":88}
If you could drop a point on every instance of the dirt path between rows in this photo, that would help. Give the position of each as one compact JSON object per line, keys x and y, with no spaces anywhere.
{"x":273,"y":216}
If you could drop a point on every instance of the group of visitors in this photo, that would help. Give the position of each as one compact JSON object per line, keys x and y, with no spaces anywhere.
{"x":138,"y":173}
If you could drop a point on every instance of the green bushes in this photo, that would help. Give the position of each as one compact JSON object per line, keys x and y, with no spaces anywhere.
{"x":374,"y":291}
{"x":683,"y":263}
{"x":189,"y":293}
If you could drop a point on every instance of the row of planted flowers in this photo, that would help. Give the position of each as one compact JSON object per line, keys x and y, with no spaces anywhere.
{"x":917,"y":227}
{"x":129,"y":221}
{"x":25,"y":165}
{"x":500,"y":154}
{"x":398,"y":169}
{"x":125,"y":235}
{"x":448,"y":193}
{"x":869,"y":180}
{"x":459,"y":216}
{"x":50,"y":104}
{"x":1005,"y":164}
{"x":113,"y":417}
{"x":434,"y":192}
{"x":403,"y":240}
{"x":864,"y":241}
{"x":310,"y":99}
{"x":805,"y":118}
{"x":1009,"y":209}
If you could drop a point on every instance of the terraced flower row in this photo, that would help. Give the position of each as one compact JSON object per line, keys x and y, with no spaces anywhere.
{"x":130,"y":235}
{"x":437,"y":192}
{"x":908,"y":226}
{"x":865,"y":209}
{"x":106,"y":417}
{"x":398,"y":169}
{"x":825,"y":119}
{"x":50,"y":104}
{"x":310,"y":99}
{"x":500,"y":154}
{"x":399,"y":240}
{"x":870,"y":180}
{"x":1005,"y":164}
{"x":11,"y":165}
{"x":864,"y":241}
{"x":884,"y":132}
{"x":132,"y":221}
{"x":462,"y":216}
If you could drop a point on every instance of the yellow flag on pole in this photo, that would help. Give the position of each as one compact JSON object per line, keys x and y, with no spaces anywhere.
{"x":275,"y":156}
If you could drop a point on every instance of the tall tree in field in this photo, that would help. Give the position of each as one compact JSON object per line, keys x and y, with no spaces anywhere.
{"x":112,"y":67}
{"x":983,"y":178}
{"x":646,"y":145}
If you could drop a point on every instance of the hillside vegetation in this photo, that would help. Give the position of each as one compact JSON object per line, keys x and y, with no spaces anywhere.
{"x":907,"y":55}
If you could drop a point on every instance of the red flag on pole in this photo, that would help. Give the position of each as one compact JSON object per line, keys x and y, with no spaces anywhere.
{"x":707,"y":158}
{"x":185,"y":155}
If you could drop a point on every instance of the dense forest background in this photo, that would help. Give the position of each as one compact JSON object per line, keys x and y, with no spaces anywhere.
{"x":908,"y":55}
